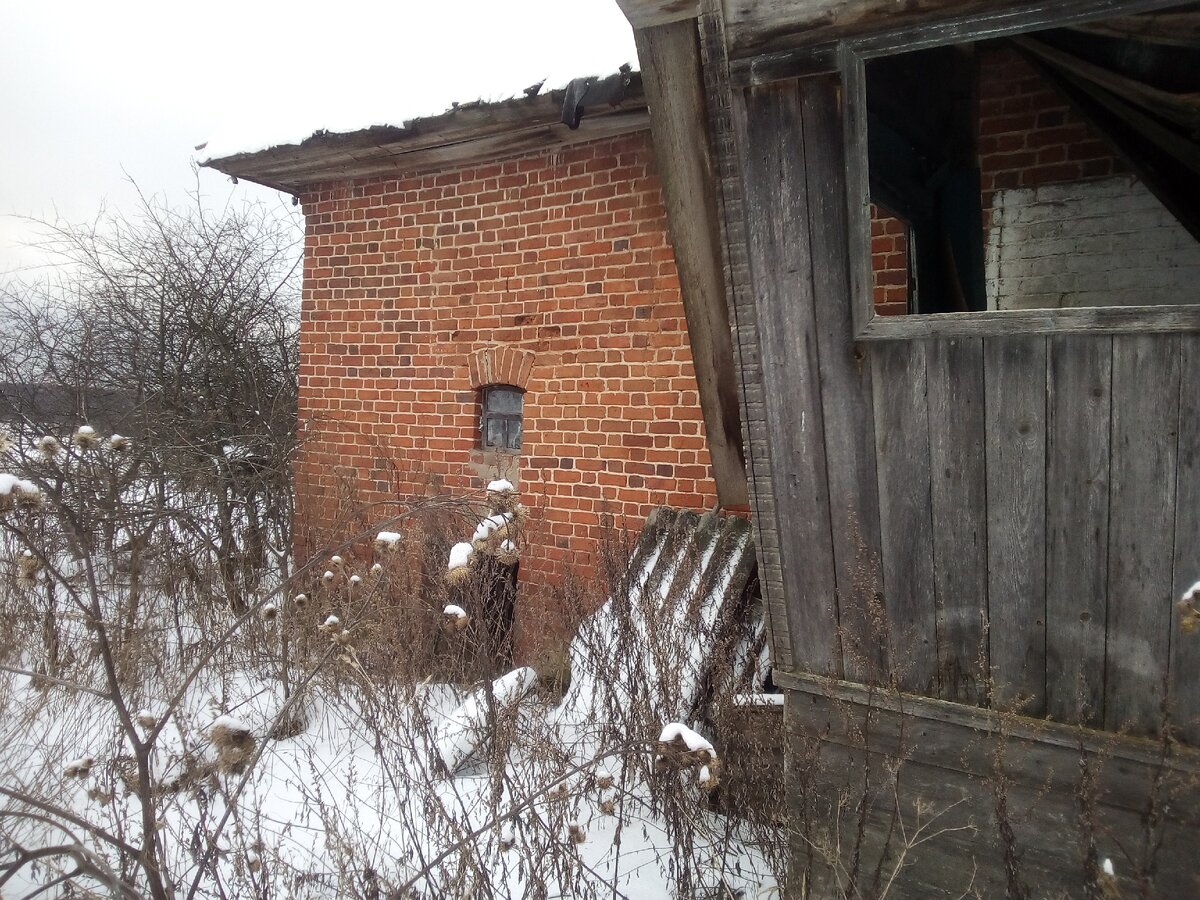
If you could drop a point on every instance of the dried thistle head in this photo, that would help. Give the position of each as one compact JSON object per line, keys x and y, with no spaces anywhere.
{"x":327,"y":576}
{"x":119,"y":443}
{"x":507,"y":553}
{"x":146,"y":719}
{"x":577,"y":832}
{"x":269,"y":612}
{"x":17,"y":492}
{"x":454,"y":618}
{"x":501,"y":496}
{"x":48,"y":446}
{"x":377,"y":569}
{"x":608,"y":806}
{"x":300,"y":601}
{"x":234,"y":743}
{"x":28,"y":567}
{"x":336,"y":561}
{"x":387,"y":542}
{"x":331,"y":625}
{"x":79,"y":768}
{"x":458,"y":575}
{"x":6,"y":440}
{"x":85,"y":438}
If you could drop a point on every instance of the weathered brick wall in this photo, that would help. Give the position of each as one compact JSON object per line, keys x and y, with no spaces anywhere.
{"x":551,"y":270}
{"x":1065,"y":223}
{"x":889,"y":263}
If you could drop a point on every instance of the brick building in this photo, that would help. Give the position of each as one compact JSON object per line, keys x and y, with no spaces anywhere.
{"x":492,"y":294}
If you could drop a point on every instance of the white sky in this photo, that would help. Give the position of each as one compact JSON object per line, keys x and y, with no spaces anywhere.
{"x":95,"y":93}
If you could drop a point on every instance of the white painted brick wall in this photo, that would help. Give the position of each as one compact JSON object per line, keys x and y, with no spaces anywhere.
{"x":1088,"y":243}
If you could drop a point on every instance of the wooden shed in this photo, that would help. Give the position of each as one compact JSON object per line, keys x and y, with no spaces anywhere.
{"x":958,"y":244}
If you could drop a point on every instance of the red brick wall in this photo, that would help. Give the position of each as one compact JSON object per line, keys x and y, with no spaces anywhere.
{"x":889,"y":263}
{"x":1028,"y":136}
{"x":558,"y":263}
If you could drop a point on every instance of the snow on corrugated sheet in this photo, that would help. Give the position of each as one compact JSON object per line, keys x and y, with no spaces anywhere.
{"x":681,"y":628}
{"x":445,"y":54}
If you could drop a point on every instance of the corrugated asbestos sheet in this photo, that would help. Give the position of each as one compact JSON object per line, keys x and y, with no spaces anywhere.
{"x":684,"y":629}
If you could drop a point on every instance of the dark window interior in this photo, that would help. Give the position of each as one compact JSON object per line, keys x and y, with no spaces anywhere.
{"x":503,"y":411}
{"x":1054,"y":169}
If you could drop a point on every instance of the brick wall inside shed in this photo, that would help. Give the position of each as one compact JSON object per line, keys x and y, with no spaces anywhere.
{"x":1066,"y":224}
{"x":1065,"y":221}
{"x":560,"y":256}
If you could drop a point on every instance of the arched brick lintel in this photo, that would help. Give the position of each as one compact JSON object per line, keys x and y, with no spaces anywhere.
{"x":500,"y":365}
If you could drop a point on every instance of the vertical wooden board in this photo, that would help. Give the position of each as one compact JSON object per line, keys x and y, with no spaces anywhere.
{"x":771,"y":139}
{"x":1077,"y":481}
{"x":1184,"y":683}
{"x":1015,"y":416}
{"x":902,"y":452}
{"x":958,"y":500}
{"x":674,"y":87}
{"x":1141,"y":543}
{"x":845,"y":389}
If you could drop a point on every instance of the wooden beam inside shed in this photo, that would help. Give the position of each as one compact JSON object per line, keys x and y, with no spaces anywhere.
{"x":760,"y":26}
{"x":674,"y":86}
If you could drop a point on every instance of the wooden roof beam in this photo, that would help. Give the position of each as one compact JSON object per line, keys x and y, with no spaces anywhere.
{"x":647,"y":13}
{"x":674,"y":86}
{"x":761,"y":26}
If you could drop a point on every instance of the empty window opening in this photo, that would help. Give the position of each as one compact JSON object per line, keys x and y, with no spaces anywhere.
{"x":1033,"y":172}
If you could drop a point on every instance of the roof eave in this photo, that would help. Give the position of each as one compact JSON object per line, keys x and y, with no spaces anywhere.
{"x":466,"y":133}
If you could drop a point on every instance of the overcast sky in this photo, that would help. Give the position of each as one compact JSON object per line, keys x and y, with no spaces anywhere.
{"x":93,"y":94}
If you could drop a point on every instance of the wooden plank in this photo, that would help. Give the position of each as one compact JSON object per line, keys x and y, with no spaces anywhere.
{"x":1184,"y":685}
{"x":745,"y":330}
{"x":902,"y":448}
{"x":771,"y":138}
{"x":958,"y":500}
{"x":844,"y":739}
{"x":1077,"y":481}
{"x":648,"y":13}
{"x":846,"y":391}
{"x":674,"y":87}
{"x":761,"y":26}
{"x":1015,"y":411}
{"x":963,"y":854}
{"x":1090,"y":320}
{"x":858,"y":194}
{"x":1145,"y":423}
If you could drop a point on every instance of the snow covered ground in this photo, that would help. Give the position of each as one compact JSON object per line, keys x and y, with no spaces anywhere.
{"x":277,"y":752}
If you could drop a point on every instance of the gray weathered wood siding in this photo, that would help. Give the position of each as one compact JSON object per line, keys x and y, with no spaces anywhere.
{"x":1001,"y":519}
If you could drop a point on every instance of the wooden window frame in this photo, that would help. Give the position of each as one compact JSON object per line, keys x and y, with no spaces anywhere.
{"x":485,"y":416}
{"x":849,"y":57}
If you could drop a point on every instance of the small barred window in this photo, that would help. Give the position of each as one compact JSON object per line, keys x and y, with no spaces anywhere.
{"x":503,"y":410}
